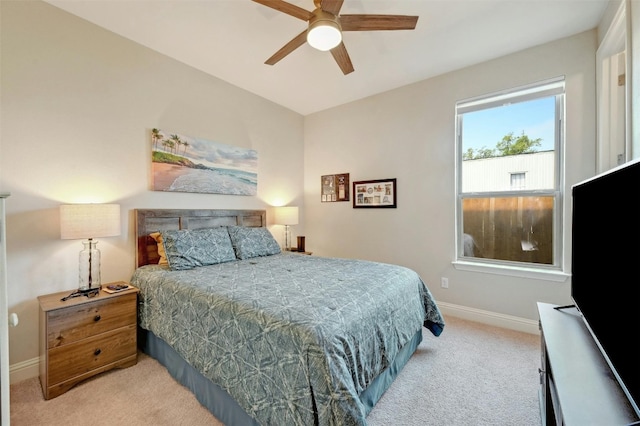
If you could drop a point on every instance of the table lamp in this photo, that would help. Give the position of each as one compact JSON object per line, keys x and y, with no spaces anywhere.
{"x":80,"y":221}
{"x":286,"y":216}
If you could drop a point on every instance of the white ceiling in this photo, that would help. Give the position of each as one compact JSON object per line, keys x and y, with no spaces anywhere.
{"x":231,"y":39}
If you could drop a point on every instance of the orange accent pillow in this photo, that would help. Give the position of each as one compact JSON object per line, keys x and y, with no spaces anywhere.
{"x":161,"y":252}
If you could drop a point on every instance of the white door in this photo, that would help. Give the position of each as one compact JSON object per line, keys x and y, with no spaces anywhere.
{"x":612,"y":73}
{"x":4,"y":321}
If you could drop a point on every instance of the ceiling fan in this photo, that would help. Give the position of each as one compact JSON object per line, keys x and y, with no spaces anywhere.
{"x":326,"y":25}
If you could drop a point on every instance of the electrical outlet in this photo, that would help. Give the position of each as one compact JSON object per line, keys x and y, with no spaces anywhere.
{"x":444,"y":282}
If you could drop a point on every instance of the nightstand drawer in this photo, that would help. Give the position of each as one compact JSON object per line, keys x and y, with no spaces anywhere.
{"x":66,"y":326}
{"x":81,"y":357}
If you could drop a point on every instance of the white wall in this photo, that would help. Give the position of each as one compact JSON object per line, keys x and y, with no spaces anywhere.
{"x":78,"y":104}
{"x":408,"y":134}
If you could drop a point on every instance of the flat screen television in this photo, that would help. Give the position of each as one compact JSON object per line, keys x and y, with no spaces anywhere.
{"x":605,"y":268}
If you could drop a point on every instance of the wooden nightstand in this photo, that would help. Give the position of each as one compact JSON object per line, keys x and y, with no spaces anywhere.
{"x":82,"y":337}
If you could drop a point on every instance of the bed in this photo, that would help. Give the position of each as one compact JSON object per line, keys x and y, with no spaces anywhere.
{"x":264,"y":336}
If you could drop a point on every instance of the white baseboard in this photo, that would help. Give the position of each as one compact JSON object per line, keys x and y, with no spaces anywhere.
{"x":24,"y":370}
{"x":31,"y":368}
{"x":491,"y":318}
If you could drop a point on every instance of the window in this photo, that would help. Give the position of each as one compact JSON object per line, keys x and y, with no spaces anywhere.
{"x":517,"y":181}
{"x":509,"y":209}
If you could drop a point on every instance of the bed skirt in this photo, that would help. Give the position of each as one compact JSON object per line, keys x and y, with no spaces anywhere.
{"x":224,"y":407}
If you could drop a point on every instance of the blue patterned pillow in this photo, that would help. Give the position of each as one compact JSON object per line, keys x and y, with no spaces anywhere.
{"x":252,"y":242}
{"x":189,"y":248}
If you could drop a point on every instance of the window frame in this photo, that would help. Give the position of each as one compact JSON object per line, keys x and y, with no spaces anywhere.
{"x":555,"y":271}
{"x":520,"y":180}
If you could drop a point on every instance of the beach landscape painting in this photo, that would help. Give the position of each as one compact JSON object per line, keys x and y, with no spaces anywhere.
{"x":187,"y":164}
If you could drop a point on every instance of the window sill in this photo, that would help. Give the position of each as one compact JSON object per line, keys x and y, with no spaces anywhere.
{"x":514,"y":271}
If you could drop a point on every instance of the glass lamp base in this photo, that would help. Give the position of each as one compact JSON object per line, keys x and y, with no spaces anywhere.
{"x":287,"y":238}
{"x":89,"y":272}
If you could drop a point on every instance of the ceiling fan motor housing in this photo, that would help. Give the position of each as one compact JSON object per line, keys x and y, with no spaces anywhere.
{"x":324,"y":31}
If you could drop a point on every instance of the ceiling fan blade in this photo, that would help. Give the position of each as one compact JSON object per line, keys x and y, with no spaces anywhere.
{"x":377,"y":22}
{"x":331,"y":6}
{"x":342,"y":58}
{"x":288,"y":8}
{"x":297,"y":41}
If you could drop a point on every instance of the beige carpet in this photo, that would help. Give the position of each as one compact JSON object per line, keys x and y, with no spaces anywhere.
{"x":472,"y":374}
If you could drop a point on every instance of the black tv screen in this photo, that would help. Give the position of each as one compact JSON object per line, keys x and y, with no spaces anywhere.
{"x":605,"y":268}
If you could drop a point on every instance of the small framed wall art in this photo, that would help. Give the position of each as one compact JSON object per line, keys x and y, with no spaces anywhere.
{"x":334,"y":188}
{"x":375,"y":193}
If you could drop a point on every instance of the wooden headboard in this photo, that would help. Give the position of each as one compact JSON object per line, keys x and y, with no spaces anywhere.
{"x":153,"y":220}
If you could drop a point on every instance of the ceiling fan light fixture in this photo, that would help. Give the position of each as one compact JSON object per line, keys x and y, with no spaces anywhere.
{"x":324,"y":32}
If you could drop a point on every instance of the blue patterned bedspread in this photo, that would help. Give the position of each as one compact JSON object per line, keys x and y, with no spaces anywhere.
{"x":294,"y":339}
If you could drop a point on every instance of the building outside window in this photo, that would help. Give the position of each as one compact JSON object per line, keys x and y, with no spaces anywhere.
{"x":509,"y":169}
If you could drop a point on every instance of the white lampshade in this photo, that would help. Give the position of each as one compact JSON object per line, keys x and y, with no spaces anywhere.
{"x":79,"y":221}
{"x":286,"y":216}
{"x":324,"y":34}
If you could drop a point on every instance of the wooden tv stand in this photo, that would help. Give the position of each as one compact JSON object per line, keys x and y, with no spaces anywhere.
{"x":577,"y":387}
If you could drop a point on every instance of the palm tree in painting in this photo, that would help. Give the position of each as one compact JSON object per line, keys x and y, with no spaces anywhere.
{"x":185,"y":144}
{"x":176,"y":142}
{"x":167,"y":144}
{"x":156,"y":136}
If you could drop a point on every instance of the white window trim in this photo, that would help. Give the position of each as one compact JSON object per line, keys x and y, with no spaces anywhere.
{"x":556,"y":273}
{"x":512,"y":271}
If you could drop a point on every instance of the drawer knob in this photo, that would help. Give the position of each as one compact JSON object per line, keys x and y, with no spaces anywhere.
{"x":97,"y":352}
{"x":96,"y":318}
